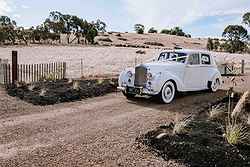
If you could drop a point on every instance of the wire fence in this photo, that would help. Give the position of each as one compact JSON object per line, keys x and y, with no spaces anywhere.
{"x":83,"y":68}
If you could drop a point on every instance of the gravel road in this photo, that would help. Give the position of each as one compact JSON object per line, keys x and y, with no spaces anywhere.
{"x":94,"y":132}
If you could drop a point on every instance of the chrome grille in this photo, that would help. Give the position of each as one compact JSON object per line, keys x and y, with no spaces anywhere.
{"x":140,"y":75}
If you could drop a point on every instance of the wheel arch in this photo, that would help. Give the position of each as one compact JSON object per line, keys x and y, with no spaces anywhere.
{"x":176,"y":81}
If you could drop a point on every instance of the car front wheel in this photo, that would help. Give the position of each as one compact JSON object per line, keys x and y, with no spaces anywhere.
{"x":168,"y":92}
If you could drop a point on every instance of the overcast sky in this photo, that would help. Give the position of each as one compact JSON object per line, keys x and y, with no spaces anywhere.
{"x":201,"y":18}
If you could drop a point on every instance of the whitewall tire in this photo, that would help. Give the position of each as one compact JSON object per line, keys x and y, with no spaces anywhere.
{"x":215,"y":85}
{"x":168,"y":92}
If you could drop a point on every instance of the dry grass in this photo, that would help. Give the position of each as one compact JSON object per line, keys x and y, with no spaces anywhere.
{"x":237,"y":131}
{"x":218,"y":112}
{"x":43,"y":92}
{"x":238,"y":108}
{"x":237,"y":134}
{"x":76,"y":85}
{"x":182,"y":127}
{"x":31,"y":87}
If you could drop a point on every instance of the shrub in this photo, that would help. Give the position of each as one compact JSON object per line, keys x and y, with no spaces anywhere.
{"x":105,"y":39}
{"x":140,"y":52}
{"x":165,"y":31}
{"x":122,"y":39}
{"x":152,"y":30}
{"x":154,"y":43}
{"x":139,"y":28}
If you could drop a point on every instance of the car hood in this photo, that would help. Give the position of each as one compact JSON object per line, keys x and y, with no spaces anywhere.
{"x":160,"y":66}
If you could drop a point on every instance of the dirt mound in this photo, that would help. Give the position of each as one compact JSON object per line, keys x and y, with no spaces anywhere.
{"x":203,"y":144}
{"x":48,"y":93}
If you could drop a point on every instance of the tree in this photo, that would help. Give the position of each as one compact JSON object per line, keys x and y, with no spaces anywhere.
{"x":236,"y":36}
{"x":100,"y":25}
{"x":246,"y":19}
{"x":7,"y":27}
{"x":139,"y":28}
{"x":210,"y":44}
{"x":235,"y":32}
{"x":216,"y":44}
{"x":152,"y":30}
{"x":177,"y":31}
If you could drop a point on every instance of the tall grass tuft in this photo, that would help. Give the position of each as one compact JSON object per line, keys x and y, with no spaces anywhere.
{"x":76,"y":85}
{"x":182,"y":127}
{"x":43,"y":92}
{"x":236,"y":133}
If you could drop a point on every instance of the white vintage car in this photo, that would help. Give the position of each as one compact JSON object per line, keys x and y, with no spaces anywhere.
{"x":172,"y":71}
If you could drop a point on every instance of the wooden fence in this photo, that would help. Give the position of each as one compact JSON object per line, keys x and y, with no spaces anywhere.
{"x":29,"y":73}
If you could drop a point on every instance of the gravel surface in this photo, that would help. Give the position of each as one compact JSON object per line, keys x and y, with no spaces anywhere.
{"x":94,"y":132}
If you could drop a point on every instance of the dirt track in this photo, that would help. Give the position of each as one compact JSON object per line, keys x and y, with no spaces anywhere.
{"x":99,"y":131}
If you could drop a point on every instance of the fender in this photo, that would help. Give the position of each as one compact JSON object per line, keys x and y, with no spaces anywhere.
{"x":123,"y":77}
{"x":166,"y":76}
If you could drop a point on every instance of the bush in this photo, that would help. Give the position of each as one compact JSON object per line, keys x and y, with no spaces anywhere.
{"x":105,"y":39}
{"x":165,"y":31}
{"x":154,"y":43}
{"x":139,"y":28}
{"x":140,"y":52}
{"x":152,"y":30}
{"x":122,"y":39}
{"x":118,"y":35}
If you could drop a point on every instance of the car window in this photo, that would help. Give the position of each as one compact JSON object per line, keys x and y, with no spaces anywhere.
{"x":205,"y":59}
{"x":194,"y":59}
{"x":173,"y":56}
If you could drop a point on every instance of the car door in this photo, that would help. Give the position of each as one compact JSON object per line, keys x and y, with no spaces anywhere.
{"x":192,"y":76}
{"x":206,"y":68}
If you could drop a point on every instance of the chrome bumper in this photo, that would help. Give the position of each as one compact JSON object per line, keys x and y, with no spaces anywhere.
{"x":121,"y":88}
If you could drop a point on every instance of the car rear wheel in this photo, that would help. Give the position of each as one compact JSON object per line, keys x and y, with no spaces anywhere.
{"x":168,"y":92}
{"x":128,"y":95}
{"x":215,"y":85}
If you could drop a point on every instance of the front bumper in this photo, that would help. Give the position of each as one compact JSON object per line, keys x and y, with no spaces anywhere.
{"x":137,"y":90}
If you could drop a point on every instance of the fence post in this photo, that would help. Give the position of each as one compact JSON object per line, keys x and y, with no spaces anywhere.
{"x":81,"y":68}
{"x":242,"y":66}
{"x":14,"y":67}
{"x":64,"y":70}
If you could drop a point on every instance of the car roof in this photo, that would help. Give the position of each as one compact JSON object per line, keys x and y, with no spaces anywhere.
{"x":188,"y":51}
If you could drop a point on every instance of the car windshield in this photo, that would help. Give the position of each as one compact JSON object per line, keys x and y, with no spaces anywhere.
{"x":173,"y":56}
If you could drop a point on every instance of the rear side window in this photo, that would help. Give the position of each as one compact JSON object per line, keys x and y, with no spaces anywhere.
{"x":205,"y":59}
{"x":194,"y":59}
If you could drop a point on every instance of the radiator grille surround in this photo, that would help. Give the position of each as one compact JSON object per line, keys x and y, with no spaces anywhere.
{"x":140,"y":76}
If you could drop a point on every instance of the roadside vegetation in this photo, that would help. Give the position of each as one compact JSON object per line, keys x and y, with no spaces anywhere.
{"x":217,"y":136}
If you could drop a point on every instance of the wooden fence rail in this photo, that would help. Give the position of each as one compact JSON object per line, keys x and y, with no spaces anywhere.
{"x":30,"y":73}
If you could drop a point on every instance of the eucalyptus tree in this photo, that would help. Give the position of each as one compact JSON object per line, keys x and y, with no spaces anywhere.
{"x":246,"y":19}
{"x":236,"y":35}
{"x":7,"y":28}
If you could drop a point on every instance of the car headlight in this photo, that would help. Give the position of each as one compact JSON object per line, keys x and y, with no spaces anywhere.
{"x":129,"y":74}
{"x":149,"y":76}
